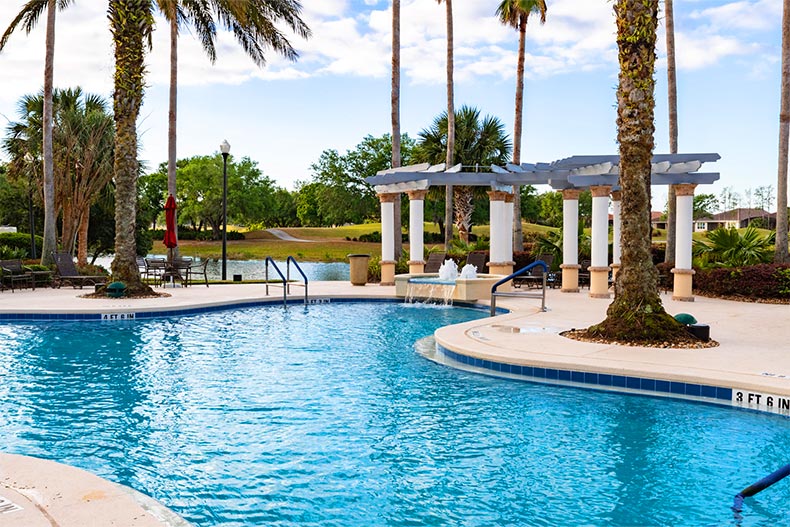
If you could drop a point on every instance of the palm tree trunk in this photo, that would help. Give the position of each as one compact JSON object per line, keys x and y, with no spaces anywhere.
{"x":130,"y":23}
{"x":636,"y":314}
{"x":448,"y":200}
{"x":781,"y":254}
{"x":518,"y":237}
{"x":82,"y":244}
{"x":672,"y":104}
{"x":395,"y":100}
{"x":50,"y":244}
{"x":171,"y":115}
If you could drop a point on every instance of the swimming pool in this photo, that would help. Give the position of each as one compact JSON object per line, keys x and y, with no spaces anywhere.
{"x":325,"y":415}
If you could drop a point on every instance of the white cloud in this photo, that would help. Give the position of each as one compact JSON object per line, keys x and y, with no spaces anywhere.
{"x":749,"y":15}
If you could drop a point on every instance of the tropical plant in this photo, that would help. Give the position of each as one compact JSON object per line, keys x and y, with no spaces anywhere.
{"x":478,"y":145}
{"x":672,"y":107}
{"x":780,"y":253}
{"x":28,"y":18}
{"x":515,"y":13}
{"x":131,"y":23}
{"x":450,"y":127}
{"x":636,"y":314}
{"x":253,"y":23}
{"x":733,"y":248}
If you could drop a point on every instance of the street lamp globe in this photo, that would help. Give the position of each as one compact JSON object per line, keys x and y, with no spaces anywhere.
{"x":224,"y":147}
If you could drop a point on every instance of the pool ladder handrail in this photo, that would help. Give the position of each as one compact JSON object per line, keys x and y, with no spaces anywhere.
{"x":288,"y":262}
{"x":510,"y":277}
{"x":286,"y":279}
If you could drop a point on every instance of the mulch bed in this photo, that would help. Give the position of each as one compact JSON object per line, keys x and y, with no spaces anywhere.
{"x":582,"y":336}
{"x":750,"y":299}
{"x":104,"y":296}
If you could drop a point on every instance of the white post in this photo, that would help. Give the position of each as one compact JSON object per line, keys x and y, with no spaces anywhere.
{"x":684,"y":226}
{"x":570,"y":240}
{"x":388,"y":238}
{"x":510,"y":212}
{"x":501,"y":234}
{"x":599,"y":269}
{"x":416,"y":231}
{"x":616,"y":249}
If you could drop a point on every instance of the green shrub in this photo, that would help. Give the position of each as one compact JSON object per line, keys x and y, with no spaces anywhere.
{"x":188,"y":234}
{"x":762,"y":281}
{"x":20,"y":240}
{"x":12,"y":253}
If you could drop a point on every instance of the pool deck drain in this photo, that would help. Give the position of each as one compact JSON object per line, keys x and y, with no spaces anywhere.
{"x":752,"y":360}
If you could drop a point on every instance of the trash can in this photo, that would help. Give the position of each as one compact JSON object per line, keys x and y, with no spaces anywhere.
{"x":358,"y":271}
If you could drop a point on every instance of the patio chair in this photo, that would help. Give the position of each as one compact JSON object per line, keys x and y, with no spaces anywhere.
{"x":15,"y":274}
{"x":435,"y":261}
{"x":198,"y":268}
{"x":67,"y":273}
{"x":584,"y":273}
{"x":478,"y":259}
{"x":535,"y":275}
{"x":154,"y":269}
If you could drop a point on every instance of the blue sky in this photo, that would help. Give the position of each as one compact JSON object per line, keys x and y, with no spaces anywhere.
{"x":286,"y":114}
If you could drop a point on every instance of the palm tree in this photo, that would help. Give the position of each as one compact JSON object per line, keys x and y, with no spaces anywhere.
{"x":780,"y":253}
{"x":448,"y":159}
{"x":28,"y":18}
{"x":672,"y":106}
{"x":515,"y":13}
{"x":131,"y":23}
{"x":395,"y":102}
{"x":636,"y":314}
{"x":480,"y":143}
{"x":253,"y":24}
{"x":733,"y":248}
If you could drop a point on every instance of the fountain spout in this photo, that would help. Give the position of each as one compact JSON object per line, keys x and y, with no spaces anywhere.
{"x":448,"y":272}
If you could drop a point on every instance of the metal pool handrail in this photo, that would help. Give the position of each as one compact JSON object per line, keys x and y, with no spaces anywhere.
{"x":285,"y":289}
{"x":288,"y":262}
{"x":524,"y":270}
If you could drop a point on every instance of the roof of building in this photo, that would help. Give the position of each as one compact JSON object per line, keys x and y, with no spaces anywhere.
{"x":738,"y":215}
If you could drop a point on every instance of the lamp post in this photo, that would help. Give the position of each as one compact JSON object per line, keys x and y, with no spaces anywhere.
{"x":31,"y":217}
{"x":224,"y":147}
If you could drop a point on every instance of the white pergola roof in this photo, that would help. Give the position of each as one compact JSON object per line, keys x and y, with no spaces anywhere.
{"x":571,"y":172}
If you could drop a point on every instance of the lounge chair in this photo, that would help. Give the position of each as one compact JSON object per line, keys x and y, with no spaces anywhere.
{"x":435,"y":261}
{"x":198,"y":268}
{"x":478,"y":259}
{"x":535,"y":275}
{"x":68,"y":273}
{"x":584,"y":273}
{"x":13,"y":273}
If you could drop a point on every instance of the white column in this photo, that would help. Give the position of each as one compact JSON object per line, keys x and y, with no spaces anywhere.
{"x":599,"y":268}
{"x":387,"y":230}
{"x":570,"y":240}
{"x":510,"y":212}
{"x":684,"y":226}
{"x":498,"y":222}
{"x":416,"y":234}
{"x":616,"y":250}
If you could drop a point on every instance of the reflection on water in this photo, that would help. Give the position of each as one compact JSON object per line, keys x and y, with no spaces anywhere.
{"x":256,"y":269}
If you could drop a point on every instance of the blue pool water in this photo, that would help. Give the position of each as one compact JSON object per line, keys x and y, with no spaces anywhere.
{"x":326,"y":416}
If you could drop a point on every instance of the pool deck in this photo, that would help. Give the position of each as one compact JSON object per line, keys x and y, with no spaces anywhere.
{"x":752,"y":359}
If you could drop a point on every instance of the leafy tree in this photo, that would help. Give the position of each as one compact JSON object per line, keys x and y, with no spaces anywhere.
{"x":705,"y":205}
{"x":530,"y":203}
{"x":479,"y":143}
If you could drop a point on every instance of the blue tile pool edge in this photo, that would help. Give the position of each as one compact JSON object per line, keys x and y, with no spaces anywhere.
{"x":124,"y":314}
{"x":626,"y":384}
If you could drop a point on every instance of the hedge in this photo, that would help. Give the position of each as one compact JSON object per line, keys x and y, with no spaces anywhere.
{"x":20,"y":240}
{"x":188,"y":234}
{"x":762,"y":281}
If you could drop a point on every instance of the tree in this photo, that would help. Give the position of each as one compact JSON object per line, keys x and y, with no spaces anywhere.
{"x":731,"y":248}
{"x":479,"y":143}
{"x":729,"y":199}
{"x":672,"y":106}
{"x":395,"y":118}
{"x":515,"y":13}
{"x":705,"y":205}
{"x":28,"y":18}
{"x":450,"y":146}
{"x":780,"y":252}
{"x":636,"y":314}
{"x":131,"y":23}
{"x":254,"y":24}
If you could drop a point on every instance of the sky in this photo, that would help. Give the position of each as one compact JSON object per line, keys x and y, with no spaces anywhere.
{"x":338,"y":91}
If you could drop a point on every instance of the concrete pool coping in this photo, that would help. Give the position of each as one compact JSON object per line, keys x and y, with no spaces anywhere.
{"x":751,"y":358}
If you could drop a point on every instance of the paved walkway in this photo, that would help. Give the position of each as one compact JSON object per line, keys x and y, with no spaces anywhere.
{"x":753,"y":357}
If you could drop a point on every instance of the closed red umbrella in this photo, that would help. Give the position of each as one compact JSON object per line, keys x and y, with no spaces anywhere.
{"x":170,"y":223}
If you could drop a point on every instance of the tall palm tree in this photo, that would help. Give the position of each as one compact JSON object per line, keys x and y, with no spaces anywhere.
{"x":448,"y":200}
{"x":131,"y":23}
{"x":253,"y":23}
{"x":480,"y":142}
{"x":672,"y":106}
{"x":395,"y":107}
{"x":636,"y":314}
{"x":780,"y":254}
{"x":515,"y":13}
{"x":28,"y":18}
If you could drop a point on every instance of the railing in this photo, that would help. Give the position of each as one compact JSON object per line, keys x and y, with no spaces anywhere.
{"x":520,"y":272}
{"x":288,"y":263}
{"x":284,"y":281}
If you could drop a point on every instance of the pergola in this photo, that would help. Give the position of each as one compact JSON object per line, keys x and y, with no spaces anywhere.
{"x":599,"y":173}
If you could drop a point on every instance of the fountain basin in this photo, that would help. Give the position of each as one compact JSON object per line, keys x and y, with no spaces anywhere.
{"x":465,"y":289}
